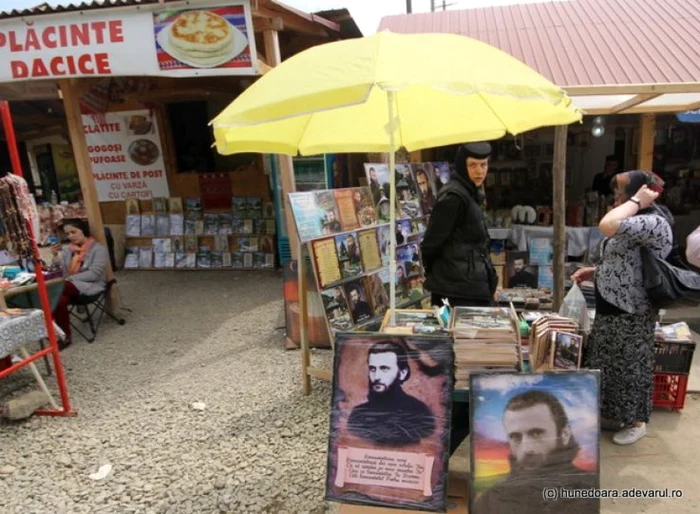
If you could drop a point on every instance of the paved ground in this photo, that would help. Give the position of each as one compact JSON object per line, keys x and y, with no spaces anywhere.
{"x":259,"y":446}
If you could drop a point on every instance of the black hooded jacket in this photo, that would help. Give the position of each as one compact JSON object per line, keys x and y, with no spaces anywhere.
{"x":456,"y":246}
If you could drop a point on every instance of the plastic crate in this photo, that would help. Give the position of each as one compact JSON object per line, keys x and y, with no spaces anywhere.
{"x":670,"y":390}
{"x":673,"y":356}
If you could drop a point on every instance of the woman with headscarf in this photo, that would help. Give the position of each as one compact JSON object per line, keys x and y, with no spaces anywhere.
{"x":456,"y":247}
{"x":84,"y":265}
{"x":621,"y":344}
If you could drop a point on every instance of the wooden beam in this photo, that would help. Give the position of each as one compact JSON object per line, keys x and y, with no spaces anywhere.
{"x":285,"y":165}
{"x":71,"y":103}
{"x":262,"y":24}
{"x":559,"y":212}
{"x":647,"y":133}
{"x":38,"y":119}
{"x":632,"y":89}
{"x":293,"y":23}
{"x":635,"y":100}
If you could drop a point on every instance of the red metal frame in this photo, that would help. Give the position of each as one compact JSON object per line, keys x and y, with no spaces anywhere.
{"x":41,"y":285}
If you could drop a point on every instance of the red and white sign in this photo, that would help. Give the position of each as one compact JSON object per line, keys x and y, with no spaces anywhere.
{"x":126,"y":156}
{"x":115,"y":42}
{"x":93,"y":45}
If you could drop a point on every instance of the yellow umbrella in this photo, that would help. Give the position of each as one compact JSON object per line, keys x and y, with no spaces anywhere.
{"x":378,"y":93}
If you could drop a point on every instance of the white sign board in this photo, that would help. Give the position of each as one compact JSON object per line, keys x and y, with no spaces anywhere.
{"x":126,"y":156}
{"x":180,"y":41}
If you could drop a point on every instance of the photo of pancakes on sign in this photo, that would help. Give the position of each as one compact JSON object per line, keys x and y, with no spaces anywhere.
{"x":213,"y":38}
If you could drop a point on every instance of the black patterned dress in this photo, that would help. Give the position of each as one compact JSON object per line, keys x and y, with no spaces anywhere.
{"x":621,"y":344}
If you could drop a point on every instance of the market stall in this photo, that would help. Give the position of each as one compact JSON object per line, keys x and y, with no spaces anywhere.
{"x":18,"y":327}
{"x":131,"y":129}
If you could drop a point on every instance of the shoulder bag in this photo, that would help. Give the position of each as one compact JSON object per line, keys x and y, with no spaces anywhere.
{"x":668,"y":285}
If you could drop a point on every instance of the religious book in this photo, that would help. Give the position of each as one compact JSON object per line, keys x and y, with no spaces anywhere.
{"x":541,"y":251}
{"x":170,"y":260}
{"x":193,"y":205}
{"x":369,"y":249}
{"x":326,"y":258}
{"x":248,"y":226}
{"x":162,"y":225}
{"x":253,"y":244}
{"x":177,"y":243}
{"x":268,"y":209}
{"x":211,"y":224}
{"x":336,"y":307}
{"x":177,"y":227}
{"x":159,"y":260}
{"x":131,"y":259}
{"x":238,"y":224}
{"x":237,"y":259}
{"x":217,"y":260}
{"x":226,"y":259}
{"x":132,"y":207}
{"x":254,"y":207}
{"x":258,"y":260}
{"x":269,"y":260}
{"x":328,"y":212}
{"x":191,"y":260}
{"x":225,"y":224}
{"x":180,"y":260}
{"x":160,"y":205}
{"x":162,"y":245}
{"x":221,"y":243}
{"x":175,"y":205}
{"x":349,"y":255}
{"x":145,"y":257}
{"x":133,"y":225}
{"x":240,"y":206}
{"x":148,"y":224}
{"x":247,"y":260}
{"x":266,"y":244}
{"x":204,"y":259}
{"x":346,"y":209}
{"x":190,"y":226}
{"x":191,"y":244}
{"x":243,"y":244}
{"x":199,"y":227}
{"x":270,"y":227}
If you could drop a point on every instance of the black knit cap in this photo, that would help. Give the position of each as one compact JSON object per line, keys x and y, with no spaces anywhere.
{"x":480,"y":150}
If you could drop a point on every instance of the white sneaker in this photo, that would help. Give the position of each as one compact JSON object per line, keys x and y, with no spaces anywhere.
{"x":630,"y":435}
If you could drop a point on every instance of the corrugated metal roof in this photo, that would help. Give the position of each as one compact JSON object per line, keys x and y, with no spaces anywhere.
{"x":582,"y":42}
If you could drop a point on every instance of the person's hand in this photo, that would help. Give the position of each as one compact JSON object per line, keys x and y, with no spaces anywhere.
{"x":583,"y":275}
{"x":646,"y":197}
{"x":55,"y":249}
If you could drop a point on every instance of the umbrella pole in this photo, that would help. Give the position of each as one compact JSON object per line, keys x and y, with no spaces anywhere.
{"x":391,"y":95}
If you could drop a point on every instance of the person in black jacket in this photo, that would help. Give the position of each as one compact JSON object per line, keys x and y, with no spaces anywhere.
{"x":456,"y":246}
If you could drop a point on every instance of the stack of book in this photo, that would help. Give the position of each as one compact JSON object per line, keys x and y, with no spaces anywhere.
{"x":485,"y":339}
{"x":555,"y":343}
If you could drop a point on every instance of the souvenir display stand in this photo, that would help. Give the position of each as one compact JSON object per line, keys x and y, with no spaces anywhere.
{"x":50,"y":333}
{"x":347,"y":248}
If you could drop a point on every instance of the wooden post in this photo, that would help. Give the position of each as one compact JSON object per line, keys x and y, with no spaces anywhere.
{"x":647,"y":132}
{"x":559,"y":208}
{"x":71,"y":104}
{"x":303,"y":320}
{"x":285,"y":165}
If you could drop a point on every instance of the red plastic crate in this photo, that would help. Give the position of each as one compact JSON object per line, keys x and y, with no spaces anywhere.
{"x":670,"y":390}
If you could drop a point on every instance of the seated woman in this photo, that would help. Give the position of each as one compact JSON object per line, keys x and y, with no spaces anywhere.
{"x":84,"y":266}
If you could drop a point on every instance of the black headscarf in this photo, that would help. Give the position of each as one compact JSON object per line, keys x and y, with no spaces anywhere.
{"x":480,"y":150}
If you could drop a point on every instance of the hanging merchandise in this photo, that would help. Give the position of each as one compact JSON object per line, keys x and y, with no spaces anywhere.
{"x":13,"y":216}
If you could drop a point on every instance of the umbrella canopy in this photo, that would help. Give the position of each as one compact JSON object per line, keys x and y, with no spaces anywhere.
{"x":379,"y":93}
{"x":333,"y":98}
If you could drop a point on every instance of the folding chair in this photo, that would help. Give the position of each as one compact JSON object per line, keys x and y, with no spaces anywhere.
{"x":94,"y":309}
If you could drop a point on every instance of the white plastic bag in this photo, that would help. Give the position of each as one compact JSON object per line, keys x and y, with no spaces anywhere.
{"x":574,"y":307}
